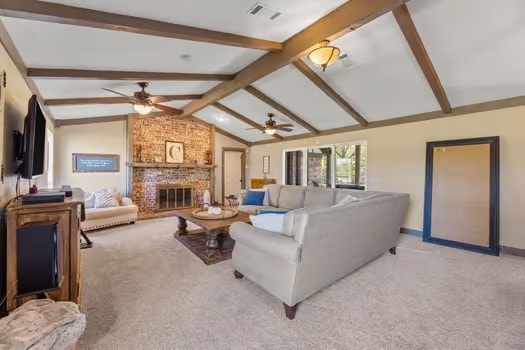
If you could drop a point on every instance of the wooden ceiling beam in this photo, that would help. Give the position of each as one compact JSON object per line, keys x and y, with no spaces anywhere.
{"x":108,"y":100}
{"x":404,"y":20}
{"x":90,"y":120}
{"x":274,"y":104}
{"x":58,"y":13}
{"x":337,"y":23}
{"x":13,"y":53}
{"x":457,"y":111}
{"x":324,"y":87}
{"x":122,"y":75}
{"x":243,"y":119}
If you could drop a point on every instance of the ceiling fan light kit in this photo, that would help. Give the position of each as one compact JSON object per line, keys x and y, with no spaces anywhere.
{"x":270,"y":131}
{"x":142,"y":109}
{"x":324,"y":55}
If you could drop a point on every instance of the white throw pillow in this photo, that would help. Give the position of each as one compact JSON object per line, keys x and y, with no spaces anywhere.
{"x":270,"y":222}
{"x":266,"y":200}
{"x":89,"y":200}
{"x":347,"y":200}
{"x":106,"y":198}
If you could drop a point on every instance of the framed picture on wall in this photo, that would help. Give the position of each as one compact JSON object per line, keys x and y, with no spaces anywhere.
{"x":174,"y":152}
{"x":266,"y":164}
{"x":96,"y":163}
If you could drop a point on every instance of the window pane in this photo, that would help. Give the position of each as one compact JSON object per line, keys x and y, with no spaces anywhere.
{"x":350,"y":166}
{"x":319,"y":167}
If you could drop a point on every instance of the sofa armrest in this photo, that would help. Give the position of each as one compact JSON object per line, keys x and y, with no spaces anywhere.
{"x":267,"y":242}
{"x":126,"y":201}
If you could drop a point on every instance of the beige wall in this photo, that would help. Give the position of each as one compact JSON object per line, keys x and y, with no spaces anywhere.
{"x":110,"y":138}
{"x":17,"y":94}
{"x":396,"y":161}
{"x":220,"y":142}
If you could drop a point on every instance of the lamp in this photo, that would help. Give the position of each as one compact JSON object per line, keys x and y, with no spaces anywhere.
{"x":270,"y":131}
{"x":142,"y":108}
{"x":324,"y":55}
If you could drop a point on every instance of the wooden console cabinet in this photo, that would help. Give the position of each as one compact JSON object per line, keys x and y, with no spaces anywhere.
{"x":259,"y":183}
{"x":66,"y":217}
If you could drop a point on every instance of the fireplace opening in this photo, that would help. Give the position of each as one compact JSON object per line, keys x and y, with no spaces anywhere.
{"x":171,"y":197}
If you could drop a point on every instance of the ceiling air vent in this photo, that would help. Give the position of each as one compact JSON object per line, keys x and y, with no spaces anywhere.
{"x":346,"y":61}
{"x":263,"y":11}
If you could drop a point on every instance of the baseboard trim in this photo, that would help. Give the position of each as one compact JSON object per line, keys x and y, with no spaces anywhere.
{"x":512,"y":251}
{"x":502,"y":249}
{"x":410,"y":231}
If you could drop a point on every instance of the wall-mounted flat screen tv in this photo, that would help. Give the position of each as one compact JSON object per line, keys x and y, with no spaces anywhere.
{"x":34,"y":141}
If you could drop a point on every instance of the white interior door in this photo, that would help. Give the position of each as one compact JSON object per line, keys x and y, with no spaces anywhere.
{"x":232,"y":174}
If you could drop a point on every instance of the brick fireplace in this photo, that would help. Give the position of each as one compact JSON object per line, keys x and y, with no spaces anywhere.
{"x":152,"y":180}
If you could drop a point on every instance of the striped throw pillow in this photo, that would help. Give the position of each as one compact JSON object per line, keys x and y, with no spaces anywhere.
{"x":106,"y":198}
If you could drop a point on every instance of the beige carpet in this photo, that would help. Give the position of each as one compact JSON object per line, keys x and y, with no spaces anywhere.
{"x":143,"y":290}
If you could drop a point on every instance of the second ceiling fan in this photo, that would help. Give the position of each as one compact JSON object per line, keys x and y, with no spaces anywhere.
{"x":143,"y":102}
{"x":271,"y":126}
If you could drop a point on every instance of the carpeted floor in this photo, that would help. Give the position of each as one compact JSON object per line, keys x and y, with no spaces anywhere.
{"x":142,"y":289}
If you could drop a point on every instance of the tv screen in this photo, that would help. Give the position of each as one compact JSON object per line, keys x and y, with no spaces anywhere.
{"x":34,"y":141}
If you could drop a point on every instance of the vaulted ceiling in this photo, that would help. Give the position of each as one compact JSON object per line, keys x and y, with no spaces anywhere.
{"x":231,"y":68}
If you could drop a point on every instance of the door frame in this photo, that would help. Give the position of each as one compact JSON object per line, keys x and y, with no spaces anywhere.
{"x":493,"y":248}
{"x":243,"y":168}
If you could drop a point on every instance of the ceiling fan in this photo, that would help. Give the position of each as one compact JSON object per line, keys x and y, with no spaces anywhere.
{"x":144,"y":103}
{"x":271,"y":126}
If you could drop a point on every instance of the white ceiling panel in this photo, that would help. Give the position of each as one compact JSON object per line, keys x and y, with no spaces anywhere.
{"x":294,"y":91}
{"x":226,"y":15}
{"x":477,"y":46}
{"x":76,"y":88}
{"x":253,"y":108}
{"x":51,"y":45}
{"x":385,"y":80}
{"x":231,"y":124}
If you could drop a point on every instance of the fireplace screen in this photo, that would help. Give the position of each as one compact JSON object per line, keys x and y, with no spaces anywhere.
{"x":171,"y":197}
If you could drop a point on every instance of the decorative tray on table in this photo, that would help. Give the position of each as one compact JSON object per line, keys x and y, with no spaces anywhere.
{"x":205,"y":214}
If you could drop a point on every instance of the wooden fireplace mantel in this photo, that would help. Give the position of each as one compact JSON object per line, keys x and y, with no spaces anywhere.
{"x":170,"y":165}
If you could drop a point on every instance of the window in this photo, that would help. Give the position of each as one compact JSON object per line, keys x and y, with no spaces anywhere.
{"x":340,"y":166}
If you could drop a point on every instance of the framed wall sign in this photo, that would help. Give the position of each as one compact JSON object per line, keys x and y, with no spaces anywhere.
{"x":174,"y":152}
{"x":266,"y":164}
{"x":96,"y":163}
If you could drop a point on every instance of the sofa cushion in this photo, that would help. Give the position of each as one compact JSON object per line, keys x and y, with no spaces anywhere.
{"x":291,"y":197}
{"x":273,"y":194}
{"x":106,"y":198}
{"x":89,"y":200}
{"x":318,"y":198}
{"x":100,"y":213}
{"x":253,"y":209}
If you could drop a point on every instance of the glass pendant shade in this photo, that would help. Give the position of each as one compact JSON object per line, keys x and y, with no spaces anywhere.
{"x":324,"y":55}
{"x":270,"y":131}
{"x":142,"y":109}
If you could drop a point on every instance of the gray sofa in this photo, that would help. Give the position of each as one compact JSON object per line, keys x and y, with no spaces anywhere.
{"x":320,"y":243}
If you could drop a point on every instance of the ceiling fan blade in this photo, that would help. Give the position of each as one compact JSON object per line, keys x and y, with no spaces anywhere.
{"x":170,"y":110}
{"x":284,"y":125}
{"x":250,"y":129}
{"x":118,"y":93}
{"x":160,"y":99}
{"x":284,"y":129}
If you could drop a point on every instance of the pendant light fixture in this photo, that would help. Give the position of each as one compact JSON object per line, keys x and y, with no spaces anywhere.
{"x":324,"y":55}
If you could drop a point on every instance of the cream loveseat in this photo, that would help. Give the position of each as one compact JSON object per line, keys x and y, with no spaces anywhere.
{"x":122,"y":212}
{"x":320,"y":244}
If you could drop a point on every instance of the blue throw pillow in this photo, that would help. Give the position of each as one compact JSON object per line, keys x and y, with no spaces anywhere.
{"x":271,"y":211}
{"x":253,"y":198}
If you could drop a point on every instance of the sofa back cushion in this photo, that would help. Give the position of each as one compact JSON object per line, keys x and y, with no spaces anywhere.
{"x":318,"y":198}
{"x":291,"y":197}
{"x":274,"y":192}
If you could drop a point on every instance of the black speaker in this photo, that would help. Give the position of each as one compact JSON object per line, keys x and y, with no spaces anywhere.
{"x":37,"y":257}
